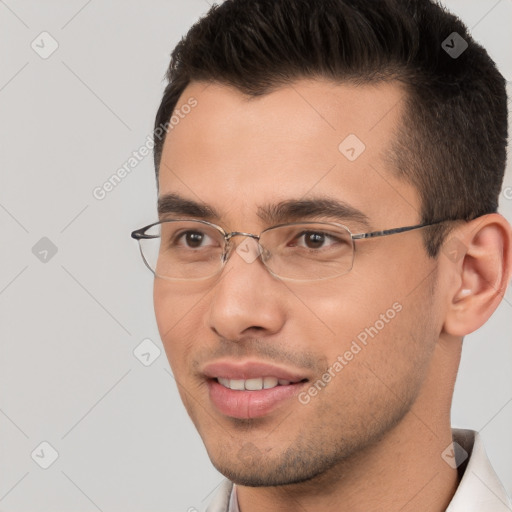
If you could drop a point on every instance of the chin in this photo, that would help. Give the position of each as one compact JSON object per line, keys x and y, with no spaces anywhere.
{"x":252,"y":468}
{"x":255,"y":477}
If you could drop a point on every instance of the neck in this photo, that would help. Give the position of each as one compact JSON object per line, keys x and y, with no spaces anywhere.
{"x":403,"y":471}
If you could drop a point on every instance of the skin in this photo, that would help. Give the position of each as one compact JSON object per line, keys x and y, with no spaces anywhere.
{"x":372,"y":438}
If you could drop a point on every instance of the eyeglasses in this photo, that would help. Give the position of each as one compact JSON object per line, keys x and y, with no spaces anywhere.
{"x":193,"y":250}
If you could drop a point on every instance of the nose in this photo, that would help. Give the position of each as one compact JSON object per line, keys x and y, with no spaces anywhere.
{"x":247,"y":299}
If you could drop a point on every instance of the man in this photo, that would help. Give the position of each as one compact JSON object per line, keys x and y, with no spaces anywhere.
{"x":328,"y":176}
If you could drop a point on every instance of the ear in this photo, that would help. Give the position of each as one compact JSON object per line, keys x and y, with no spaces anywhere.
{"x":478,"y":264}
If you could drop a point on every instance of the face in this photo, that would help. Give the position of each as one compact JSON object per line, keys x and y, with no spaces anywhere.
{"x":345,"y":358}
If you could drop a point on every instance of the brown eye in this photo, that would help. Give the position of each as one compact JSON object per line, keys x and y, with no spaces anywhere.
{"x":194,"y":238}
{"x":191,"y":239}
{"x":315,"y":240}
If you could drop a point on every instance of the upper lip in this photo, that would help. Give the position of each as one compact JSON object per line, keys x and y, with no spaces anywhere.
{"x":250,"y":370}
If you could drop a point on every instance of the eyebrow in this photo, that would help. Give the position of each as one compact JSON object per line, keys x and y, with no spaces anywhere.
{"x":285,"y":211}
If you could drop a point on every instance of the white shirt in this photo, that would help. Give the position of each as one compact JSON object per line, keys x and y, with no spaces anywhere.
{"x":479,"y":489}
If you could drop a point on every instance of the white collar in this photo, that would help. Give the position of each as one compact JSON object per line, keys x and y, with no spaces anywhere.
{"x":479,"y":489}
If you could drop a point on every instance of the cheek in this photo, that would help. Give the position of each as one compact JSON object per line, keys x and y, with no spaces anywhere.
{"x":378,"y":363}
{"x":376,"y":319}
{"x":163,"y":303}
{"x":342,"y":309}
{"x":398,"y":339}
{"x":177,"y":320}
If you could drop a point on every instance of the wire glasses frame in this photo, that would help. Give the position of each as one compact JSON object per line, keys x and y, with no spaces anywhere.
{"x":143,"y":235}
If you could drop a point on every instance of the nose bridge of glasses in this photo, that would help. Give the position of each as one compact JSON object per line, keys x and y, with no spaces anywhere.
{"x":240,"y":233}
{"x":230,"y":246}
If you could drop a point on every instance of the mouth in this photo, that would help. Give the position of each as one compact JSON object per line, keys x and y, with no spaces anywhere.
{"x":251,"y":389}
{"x":255,"y":384}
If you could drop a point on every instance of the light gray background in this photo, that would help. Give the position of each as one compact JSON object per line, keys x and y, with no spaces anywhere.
{"x":68,"y":327}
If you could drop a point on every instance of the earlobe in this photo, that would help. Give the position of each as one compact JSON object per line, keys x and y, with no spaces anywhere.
{"x":482,"y":273}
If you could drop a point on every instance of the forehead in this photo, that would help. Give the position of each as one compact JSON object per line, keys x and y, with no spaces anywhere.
{"x":309,"y":138}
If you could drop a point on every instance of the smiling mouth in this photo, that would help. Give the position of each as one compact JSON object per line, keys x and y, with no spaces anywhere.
{"x":255,"y":384}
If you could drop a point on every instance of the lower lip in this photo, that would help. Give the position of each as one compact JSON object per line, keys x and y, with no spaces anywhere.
{"x":250,"y":404}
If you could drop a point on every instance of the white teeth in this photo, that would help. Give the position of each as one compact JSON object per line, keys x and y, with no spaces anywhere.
{"x":252,"y":384}
{"x":224,"y":382}
{"x":237,"y":384}
{"x":269,"y":382}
